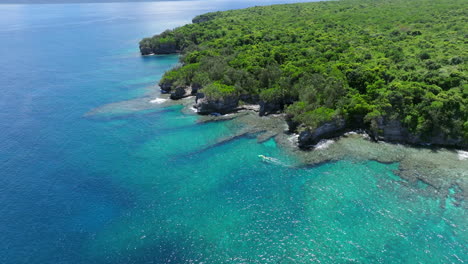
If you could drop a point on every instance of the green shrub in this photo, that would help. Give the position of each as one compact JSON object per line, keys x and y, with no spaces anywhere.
{"x":218,"y":90}
{"x":388,"y":58}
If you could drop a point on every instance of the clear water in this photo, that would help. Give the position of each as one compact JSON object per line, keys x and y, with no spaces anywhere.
{"x":153,"y":186}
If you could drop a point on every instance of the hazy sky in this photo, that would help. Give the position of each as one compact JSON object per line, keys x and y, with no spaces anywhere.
{"x":111,"y":1}
{"x":72,"y":1}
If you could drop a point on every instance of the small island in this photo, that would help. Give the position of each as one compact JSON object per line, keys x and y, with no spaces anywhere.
{"x":395,"y":69}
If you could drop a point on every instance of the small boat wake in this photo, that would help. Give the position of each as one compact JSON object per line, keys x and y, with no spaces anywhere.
{"x":273,"y":161}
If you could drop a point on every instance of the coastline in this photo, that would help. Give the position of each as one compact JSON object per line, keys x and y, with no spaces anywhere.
{"x":369,"y":92}
{"x":438,"y":169}
{"x":442,"y":172}
{"x":433,"y":157}
{"x":100,"y":167}
{"x":308,"y":144}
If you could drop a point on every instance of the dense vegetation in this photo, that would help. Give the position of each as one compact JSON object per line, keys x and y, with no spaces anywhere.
{"x":359,"y":60}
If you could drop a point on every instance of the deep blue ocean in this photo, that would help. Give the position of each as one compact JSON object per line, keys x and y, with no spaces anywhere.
{"x":131,"y":185}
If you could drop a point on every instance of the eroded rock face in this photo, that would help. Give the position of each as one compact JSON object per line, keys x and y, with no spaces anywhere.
{"x":394,"y":131}
{"x":292,"y":125}
{"x":388,"y":130}
{"x":275,"y":106}
{"x":166,"y":49}
{"x":328,"y":130}
{"x":180,"y":92}
{"x":145,"y":50}
{"x":166,"y":86}
{"x":169,"y":87}
{"x":267,"y":108}
{"x":249,"y":98}
{"x":195,"y":88}
{"x":224,"y":105}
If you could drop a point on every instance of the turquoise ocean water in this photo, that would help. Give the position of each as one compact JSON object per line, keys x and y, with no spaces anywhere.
{"x":153,"y":186}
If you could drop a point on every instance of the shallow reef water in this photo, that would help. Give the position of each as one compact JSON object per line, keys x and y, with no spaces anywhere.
{"x":240,"y":191}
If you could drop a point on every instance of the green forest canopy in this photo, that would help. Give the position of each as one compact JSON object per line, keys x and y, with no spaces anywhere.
{"x":354,"y":59}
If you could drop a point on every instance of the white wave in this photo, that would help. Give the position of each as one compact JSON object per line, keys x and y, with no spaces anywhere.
{"x":462,"y":155}
{"x":158,"y":101}
{"x":362,"y":134}
{"x":324,"y":144}
{"x":293,"y":139}
{"x":350,"y":133}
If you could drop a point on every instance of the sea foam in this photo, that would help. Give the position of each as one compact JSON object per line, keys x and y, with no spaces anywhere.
{"x":158,"y":101}
{"x":324,"y":144}
{"x":462,"y":155}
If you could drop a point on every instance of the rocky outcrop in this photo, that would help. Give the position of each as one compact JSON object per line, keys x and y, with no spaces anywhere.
{"x":275,"y":106}
{"x":195,"y":88}
{"x":166,"y":86}
{"x":169,"y":48}
{"x":145,"y":50}
{"x":166,"y":48}
{"x":180,"y":92}
{"x":249,"y":98}
{"x":267,"y":108}
{"x":393,"y":131}
{"x":292,"y":125}
{"x":388,"y":130}
{"x":327,"y":130}
{"x":205,"y":105}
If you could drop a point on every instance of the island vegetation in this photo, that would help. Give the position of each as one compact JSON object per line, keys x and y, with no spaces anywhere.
{"x":395,"y":68}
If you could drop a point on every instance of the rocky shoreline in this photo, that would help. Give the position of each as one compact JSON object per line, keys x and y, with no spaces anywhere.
{"x":386,"y":129}
{"x":431,"y":163}
{"x":437,"y":172}
{"x":442,"y":172}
